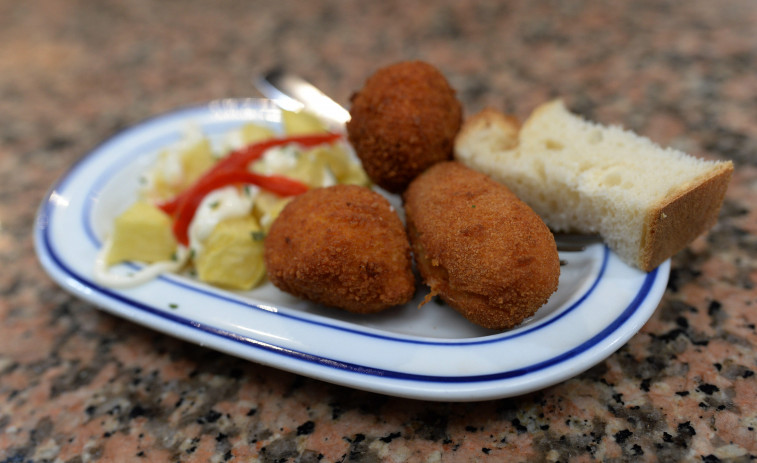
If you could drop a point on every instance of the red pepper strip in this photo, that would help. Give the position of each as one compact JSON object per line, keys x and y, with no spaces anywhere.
{"x":186,"y":209}
{"x":239,"y":159}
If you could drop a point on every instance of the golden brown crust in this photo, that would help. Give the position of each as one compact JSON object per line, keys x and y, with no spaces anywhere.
{"x":342,"y":246}
{"x":485,"y":252}
{"x":403,"y":120}
{"x":503,"y":129}
{"x":683,"y":216}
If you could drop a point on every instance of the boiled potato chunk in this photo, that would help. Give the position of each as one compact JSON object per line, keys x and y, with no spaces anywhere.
{"x":142,"y":233}
{"x":302,"y":123}
{"x":293,"y":163}
{"x":254,"y":133}
{"x":339,"y":164}
{"x":177,"y":168}
{"x":233,"y":254}
{"x":267,"y":206}
{"x":321,"y":166}
{"x":312,"y":170}
{"x":356,"y":176}
{"x":196,"y":160}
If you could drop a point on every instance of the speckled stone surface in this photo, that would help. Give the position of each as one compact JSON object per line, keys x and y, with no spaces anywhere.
{"x":78,"y":385}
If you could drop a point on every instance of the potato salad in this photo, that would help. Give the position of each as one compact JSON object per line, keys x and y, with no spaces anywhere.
{"x":204,"y":210}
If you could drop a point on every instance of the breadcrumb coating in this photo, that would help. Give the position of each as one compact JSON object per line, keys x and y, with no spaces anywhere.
{"x":404,"y":120}
{"x":343,"y":246}
{"x":480,"y":248}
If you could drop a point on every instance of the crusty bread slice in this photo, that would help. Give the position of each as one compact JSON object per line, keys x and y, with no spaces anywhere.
{"x":646,"y":202}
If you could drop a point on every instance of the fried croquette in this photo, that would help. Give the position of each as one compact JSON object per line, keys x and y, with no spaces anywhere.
{"x":404,"y":120}
{"x":482,"y":250}
{"x":343,"y":246}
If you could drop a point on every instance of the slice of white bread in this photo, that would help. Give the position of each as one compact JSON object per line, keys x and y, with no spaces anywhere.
{"x":646,"y":202}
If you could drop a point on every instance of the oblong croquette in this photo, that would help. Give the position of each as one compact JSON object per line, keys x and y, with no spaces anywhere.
{"x":403,"y":120}
{"x":482,"y":250}
{"x":343,"y":246}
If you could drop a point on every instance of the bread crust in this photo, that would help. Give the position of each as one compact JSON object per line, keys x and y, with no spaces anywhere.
{"x":681,"y":217}
{"x":504,"y":129}
{"x":668,"y":226}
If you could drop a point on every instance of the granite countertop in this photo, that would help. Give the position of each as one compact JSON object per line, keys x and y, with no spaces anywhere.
{"x":79,"y":385}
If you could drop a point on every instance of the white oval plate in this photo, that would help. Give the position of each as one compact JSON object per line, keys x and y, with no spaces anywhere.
{"x":425,"y":353}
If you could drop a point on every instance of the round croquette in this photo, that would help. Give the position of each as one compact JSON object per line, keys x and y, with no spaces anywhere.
{"x":343,"y":246}
{"x":484,"y":251}
{"x":403,"y":120}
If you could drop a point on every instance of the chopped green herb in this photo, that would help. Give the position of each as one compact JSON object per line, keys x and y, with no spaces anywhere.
{"x":215,"y":204}
{"x":257,"y":235}
{"x":173,"y":305}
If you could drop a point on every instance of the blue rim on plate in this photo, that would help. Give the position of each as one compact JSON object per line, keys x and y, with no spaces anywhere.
{"x":71,"y":205}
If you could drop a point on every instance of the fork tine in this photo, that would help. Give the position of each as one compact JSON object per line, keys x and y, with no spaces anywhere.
{"x":575,"y":242}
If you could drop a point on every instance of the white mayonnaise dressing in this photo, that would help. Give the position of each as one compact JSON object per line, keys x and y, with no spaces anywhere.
{"x":234,"y":141}
{"x":105,"y":277}
{"x":221,"y":204}
{"x":169,"y":164}
{"x":278,"y":159}
{"x":170,"y":167}
{"x":329,"y":179}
